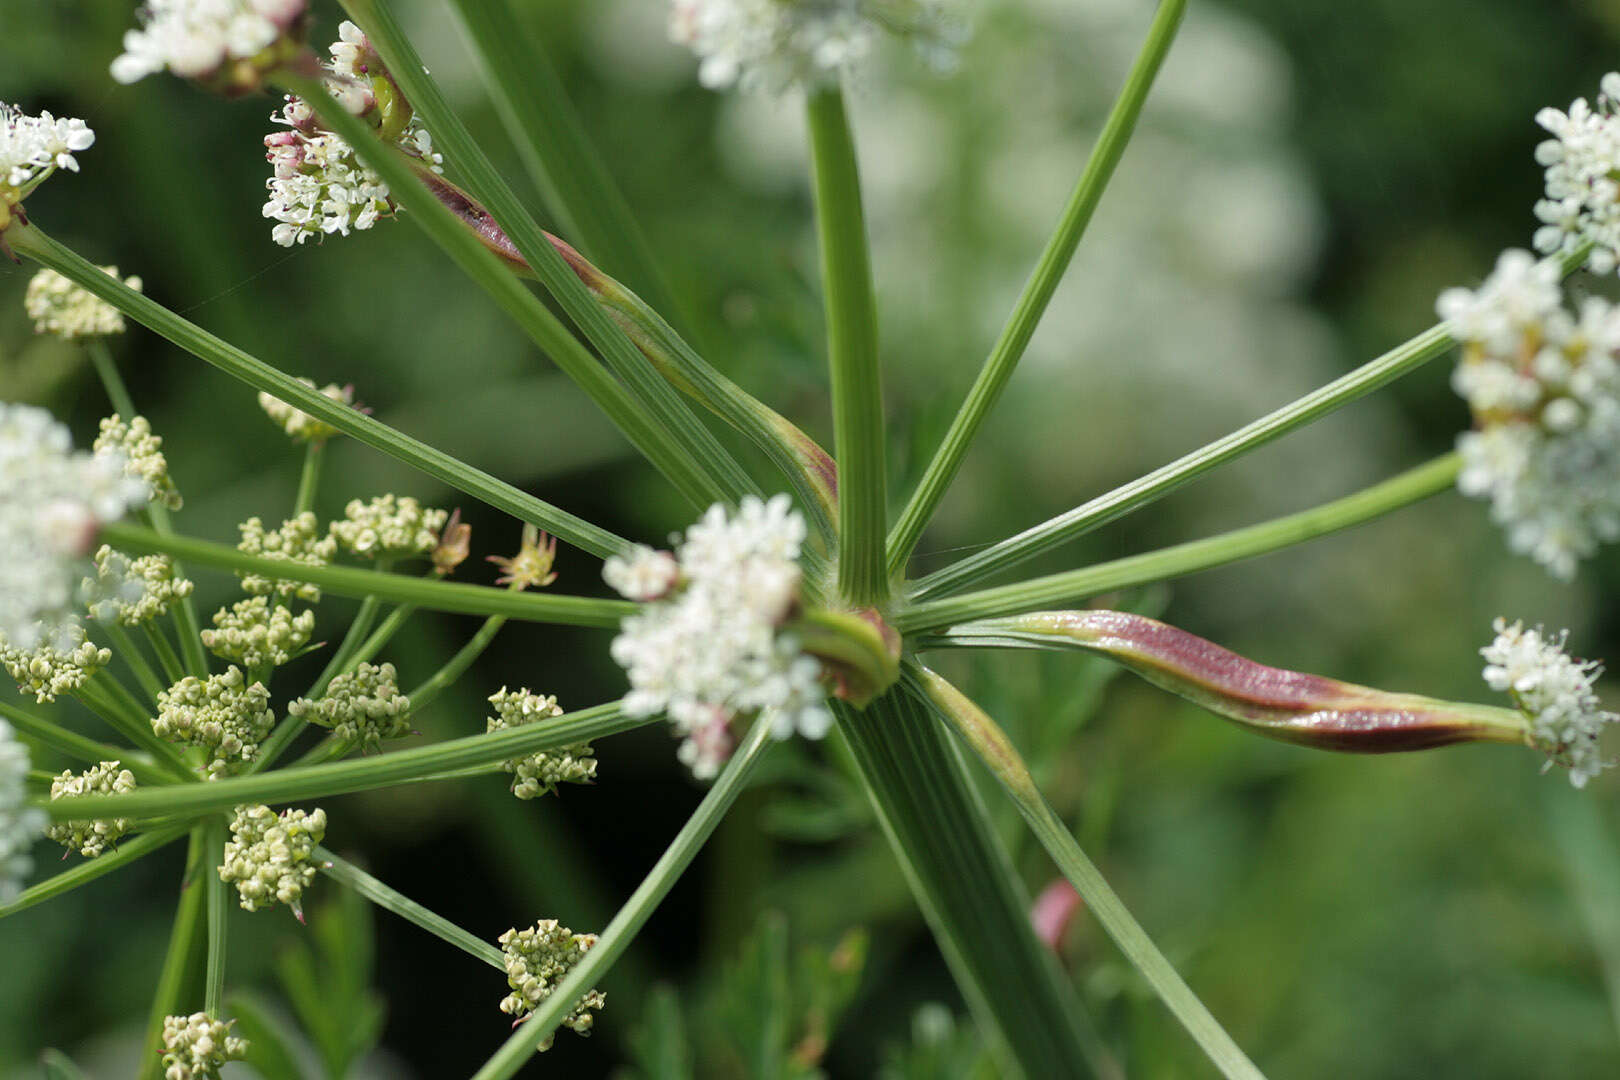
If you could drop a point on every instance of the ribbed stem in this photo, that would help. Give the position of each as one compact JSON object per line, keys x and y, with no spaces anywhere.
{"x":185,"y":956}
{"x":78,"y":747}
{"x":391,"y":899}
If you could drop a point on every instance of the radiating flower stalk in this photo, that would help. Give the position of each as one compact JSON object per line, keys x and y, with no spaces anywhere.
{"x":762,"y":621}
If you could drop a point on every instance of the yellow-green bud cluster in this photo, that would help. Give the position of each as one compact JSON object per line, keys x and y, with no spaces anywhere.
{"x":268,"y":857}
{"x":539,"y":958}
{"x":60,"y":307}
{"x":196,"y":1047}
{"x":298,"y":540}
{"x":91,"y":837}
{"x":254,"y":634}
{"x":47,"y":671}
{"x":539,"y":773}
{"x":143,"y":456}
{"x":361,"y":706}
{"x":224,"y":714}
{"x":133,"y":591}
{"x":389,"y":528}
{"x":299,"y":425}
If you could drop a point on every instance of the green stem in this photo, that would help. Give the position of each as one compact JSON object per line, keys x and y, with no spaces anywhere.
{"x":519,"y":1048}
{"x":457,"y":664}
{"x":343,"y":777}
{"x":393,"y":900}
{"x":352,"y":640}
{"x":168,"y":659}
{"x":1002,"y":758}
{"x":89,"y":870}
{"x":1026,"y":315}
{"x":1066,"y":589}
{"x":186,"y":626}
{"x":671,"y":439}
{"x":180,"y":962}
{"x":132,"y":654}
{"x":108,"y":699}
{"x":380,"y":637}
{"x":218,"y":906}
{"x":33,"y":242}
{"x":79,"y":748}
{"x":101,"y":357}
{"x":852,"y":352}
{"x":309,"y":476}
{"x":395,"y":588}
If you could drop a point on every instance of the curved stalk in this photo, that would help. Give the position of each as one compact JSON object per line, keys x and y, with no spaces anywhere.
{"x":390,"y":899}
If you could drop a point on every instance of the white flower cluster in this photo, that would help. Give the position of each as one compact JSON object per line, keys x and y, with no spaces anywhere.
{"x":777,"y":45}
{"x":91,"y":837}
{"x":268,"y":856}
{"x":141,"y":454}
{"x":539,"y":773}
{"x":253,"y":633}
{"x":1555,"y":691}
{"x":362,"y":706}
{"x":225,"y":714}
{"x":299,"y":425}
{"x":33,"y":147}
{"x":196,"y":1047}
{"x":539,"y":958}
{"x":644,"y":574}
{"x":133,"y":591}
{"x":52,"y":500}
{"x":195,"y":39}
{"x":1582,"y":203}
{"x":58,"y":666}
{"x":1544,"y":388}
{"x":298,"y":540}
{"x":20,"y":824}
{"x":389,"y":528}
{"x":59,"y":306}
{"x":714,"y":648}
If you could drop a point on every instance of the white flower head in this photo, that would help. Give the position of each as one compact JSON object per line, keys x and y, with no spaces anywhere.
{"x":133,"y":591}
{"x":197,"y":1047}
{"x":31,"y":149}
{"x":388,"y":528}
{"x":227,"y":44}
{"x":777,"y":45}
{"x":52,"y":502}
{"x":299,"y":425}
{"x":255,"y":634}
{"x":20,"y":824}
{"x":299,"y":540}
{"x":141,"y":454}
{"x":539,"y":773}
{"x":1555,"y":691}
{"x":1582,"y":159}
{"x":644,"y":574}
{"x":713,"y":648}
{"x":91,"y":837}
{"x":363,"y":706}
{"x":270,"y":856}
{"x":61,"y":307}
{"x":224,"y":714}
{"x":537,"y":960}
{"x":1544,"y":388}
{"x":59,"y":665}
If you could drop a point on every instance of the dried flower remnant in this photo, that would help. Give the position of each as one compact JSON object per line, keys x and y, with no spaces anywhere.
{"x":61,"y":307}
{"x":715,"y":648}
{"x":299,"y":425}
{"x":224,"y":714}
{"x":298,"y":540}
{"x":363,"y":706}
{"x":141,"y":454}
{"x":20,"y":824}
{"x":91,"y":837}
{"x":537,"y":960}
{"x":197,"y":1047}
{"x":255,"y":634}
{"x":531,"y":566}
{"x":455,"y":544}
{"x":1544,"y":389}
{"x":1555,"y":691}
{"x":52,"y":501}
{"x":539,"y":773}
{"x":269,"y":857}
{"x":388,"y":528}
{"x":226,"y":45}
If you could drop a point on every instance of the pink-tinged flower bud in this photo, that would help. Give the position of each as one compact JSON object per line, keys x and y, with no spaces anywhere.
{"x":1288,"y":705}
{"x":1053,"y":913}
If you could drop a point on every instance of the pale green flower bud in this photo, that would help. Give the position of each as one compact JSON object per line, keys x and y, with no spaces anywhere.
{"x":539,"y":773}
{"x":389,"y":528}
{"x":254,"y":634}
{"x":300,"y":426}
{"x":91,"y":837}
{"x":142,"y":453}
{"x":298,"y":540}
{"x":268,"y":856}
{"x":55,"y":666}
{"x":224,"y":714}
{"x":361,"y":706}
{"x":196,"y":1047}
{"x":133,"y":591}
{"x":539,"y":958}
{"x":60,"y":307}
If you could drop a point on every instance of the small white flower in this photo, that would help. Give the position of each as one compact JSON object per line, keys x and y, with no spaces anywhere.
{"x":1555,"y":691}
{"x":52,"y":501}
{"x":1582,"y":203}
{"x":194,"y":39}
{"x":388,"y":528}
{"x":644,"y":574}
{"x":20,"y":824}
{"x":140,"y":452}
{"x":60,"y":307}
{"x":713,"y":648}
{"x":33,"y":147}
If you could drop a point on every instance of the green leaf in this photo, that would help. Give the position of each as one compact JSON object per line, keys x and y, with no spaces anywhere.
{"x":658,"y":1042}
{"x":270,"y":1041}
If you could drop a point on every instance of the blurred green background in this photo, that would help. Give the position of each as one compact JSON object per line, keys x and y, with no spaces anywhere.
{"x":1307,"y":177}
